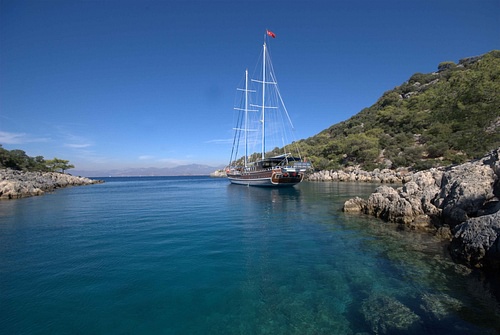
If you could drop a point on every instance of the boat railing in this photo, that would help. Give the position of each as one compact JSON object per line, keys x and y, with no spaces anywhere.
{"x":302,"y":165}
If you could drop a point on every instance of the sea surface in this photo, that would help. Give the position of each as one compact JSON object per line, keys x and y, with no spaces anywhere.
{"x":196,"y":255}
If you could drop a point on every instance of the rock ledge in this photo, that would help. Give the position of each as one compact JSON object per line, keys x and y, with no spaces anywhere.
{"x":17,"y":184}
{"x":460,"y":203}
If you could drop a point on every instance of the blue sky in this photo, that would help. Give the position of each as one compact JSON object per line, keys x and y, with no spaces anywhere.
{"x":132,"y":83}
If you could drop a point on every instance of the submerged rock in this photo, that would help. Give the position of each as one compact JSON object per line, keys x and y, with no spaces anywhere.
{"x":386,"y":315}
{"x":18,"y":184}
{"x":440,"y":306}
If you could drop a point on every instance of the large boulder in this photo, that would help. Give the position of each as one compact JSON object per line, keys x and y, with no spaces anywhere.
{"x":459,"y":202}
{"x":476,"y":242}
{"x":410,"y":204}
{"x":465,"y":190}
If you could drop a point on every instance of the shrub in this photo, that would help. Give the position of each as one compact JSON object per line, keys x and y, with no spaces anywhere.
{"x":446,"y":66}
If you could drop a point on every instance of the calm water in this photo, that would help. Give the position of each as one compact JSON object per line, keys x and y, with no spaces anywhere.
{"x":195,"y":255}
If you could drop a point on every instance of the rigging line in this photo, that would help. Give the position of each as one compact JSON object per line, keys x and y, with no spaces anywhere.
{"x":272,"y":74}
{"x":282,"y":102}
{"x":236,"y":141}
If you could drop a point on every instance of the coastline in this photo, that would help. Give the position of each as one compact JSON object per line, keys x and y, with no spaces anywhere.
{"x":355,"y":174}
{"x":18,"y":184}
{"x":459,"y":204}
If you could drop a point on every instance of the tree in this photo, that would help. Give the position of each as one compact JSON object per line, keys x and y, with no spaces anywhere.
{"x":14,"y":159}
{"x":57,"y":164}
{"x":39,"y":164}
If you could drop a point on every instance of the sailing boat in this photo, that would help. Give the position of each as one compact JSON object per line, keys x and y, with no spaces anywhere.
{"x":262,"y":116}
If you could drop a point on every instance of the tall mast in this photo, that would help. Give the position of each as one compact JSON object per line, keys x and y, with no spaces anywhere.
{"x":263,"y":106}
{"x":246,"y":117}
{"x":263,"y":100}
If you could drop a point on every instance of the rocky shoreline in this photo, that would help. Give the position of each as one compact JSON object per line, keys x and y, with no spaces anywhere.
{"x":384,"y":176}
{"x":218,"y":174}
{"x":17,"y":184}
{"x":459,"y":203}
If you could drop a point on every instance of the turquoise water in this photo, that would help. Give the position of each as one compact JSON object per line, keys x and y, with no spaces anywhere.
{"x":195,"y":255}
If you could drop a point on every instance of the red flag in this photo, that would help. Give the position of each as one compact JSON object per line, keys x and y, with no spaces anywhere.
{"x":270,"y":33}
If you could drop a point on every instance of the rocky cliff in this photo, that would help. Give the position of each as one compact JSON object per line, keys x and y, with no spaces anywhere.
{"x":460,"y":203}
{"x":17,"y":184}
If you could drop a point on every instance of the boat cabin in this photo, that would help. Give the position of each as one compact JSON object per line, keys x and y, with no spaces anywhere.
{"x":281,"y":160}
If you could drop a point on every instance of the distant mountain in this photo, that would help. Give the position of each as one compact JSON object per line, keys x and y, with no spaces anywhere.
{"x":181,"y":170}
{"x":446,"y":117}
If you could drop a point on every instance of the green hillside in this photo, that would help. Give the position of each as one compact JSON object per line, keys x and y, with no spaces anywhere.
{"x":449,"y":116}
